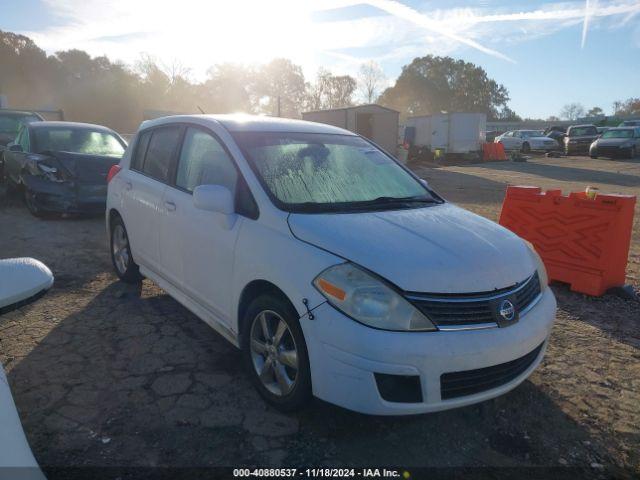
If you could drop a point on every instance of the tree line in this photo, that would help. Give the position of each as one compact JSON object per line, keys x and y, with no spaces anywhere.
{"x":626,"y":108}
{"x":99,"y":90}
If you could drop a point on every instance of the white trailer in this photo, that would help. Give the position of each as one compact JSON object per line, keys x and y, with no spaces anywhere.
{"x":454,"y":133}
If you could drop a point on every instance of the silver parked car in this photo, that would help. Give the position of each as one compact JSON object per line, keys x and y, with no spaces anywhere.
{"x":617,"y":142}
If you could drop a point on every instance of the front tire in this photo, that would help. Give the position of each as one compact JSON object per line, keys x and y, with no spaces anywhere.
{"x":526,"y":148}
{"x":12,"y":187}
{"x":275,"y":353}
{"x":121,"y":258}
{"x":32,"y":204}
{"x":632,"y":153}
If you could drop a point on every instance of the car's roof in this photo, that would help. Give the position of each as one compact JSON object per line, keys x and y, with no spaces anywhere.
{"x":251,"y":123}
{"x":583,"y":125}
{"x":52,"y":124}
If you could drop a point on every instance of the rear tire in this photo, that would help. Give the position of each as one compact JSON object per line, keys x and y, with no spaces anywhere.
{"x":633,"y":153}
{"x":275,"y":353}
{"x":121,"y":258}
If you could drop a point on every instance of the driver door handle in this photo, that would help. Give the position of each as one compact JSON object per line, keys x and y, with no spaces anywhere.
{"x":170,"y":206}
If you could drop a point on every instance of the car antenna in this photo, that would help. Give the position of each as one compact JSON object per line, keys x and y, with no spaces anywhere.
{"x":201,"y":110}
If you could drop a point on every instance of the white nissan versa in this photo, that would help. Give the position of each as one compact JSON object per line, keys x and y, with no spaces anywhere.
{"x":337,"y":271}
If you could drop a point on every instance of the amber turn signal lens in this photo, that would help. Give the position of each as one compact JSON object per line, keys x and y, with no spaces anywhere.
{"x":331,"y":289}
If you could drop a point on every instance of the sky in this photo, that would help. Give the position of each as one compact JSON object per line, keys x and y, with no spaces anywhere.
{"x":547,"y":53}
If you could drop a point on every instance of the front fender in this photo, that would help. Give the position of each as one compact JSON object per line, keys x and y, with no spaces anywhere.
{"x":264,"y":253}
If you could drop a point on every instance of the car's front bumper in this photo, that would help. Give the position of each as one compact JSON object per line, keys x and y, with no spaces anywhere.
{"x":545,"y":148}
{"x":66,"y":197}
{"x":582,"y":147}
{"x":344,"y":356}
{"x":610,"y":151}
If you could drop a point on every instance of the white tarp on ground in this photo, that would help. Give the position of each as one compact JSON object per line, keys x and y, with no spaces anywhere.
{"x":20,"y":279}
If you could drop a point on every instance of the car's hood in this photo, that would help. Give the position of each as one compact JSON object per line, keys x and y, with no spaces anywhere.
{"x":437,"y":249}
{"x":613,"y":142}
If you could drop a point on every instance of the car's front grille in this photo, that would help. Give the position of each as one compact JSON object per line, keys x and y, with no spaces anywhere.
{"x":469,"y":382}
{"x":454,"y":310}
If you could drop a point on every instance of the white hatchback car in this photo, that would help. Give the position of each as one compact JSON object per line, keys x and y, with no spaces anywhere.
{"x":337,"y":271}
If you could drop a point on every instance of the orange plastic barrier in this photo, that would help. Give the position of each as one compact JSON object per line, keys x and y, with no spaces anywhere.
{"x":493,"y":151}
{"x":581,"y":241}
{"x":500,"y":153}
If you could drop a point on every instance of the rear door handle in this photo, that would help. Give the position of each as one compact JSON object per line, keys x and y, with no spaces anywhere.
{"x":170,"y":206}
{"x":128,"y":185}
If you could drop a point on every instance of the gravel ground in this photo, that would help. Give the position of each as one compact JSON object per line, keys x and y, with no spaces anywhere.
{"x":108,"y":374}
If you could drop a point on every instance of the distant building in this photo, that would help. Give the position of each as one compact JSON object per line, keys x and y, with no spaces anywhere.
{"x":375,"y":122}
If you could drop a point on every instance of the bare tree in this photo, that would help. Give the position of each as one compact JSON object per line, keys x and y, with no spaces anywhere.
{"x":371,"y":80}
{"x":572,"y":111}
{"x":330,"y":91}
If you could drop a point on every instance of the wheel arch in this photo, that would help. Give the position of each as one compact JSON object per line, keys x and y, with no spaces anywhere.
{"x":254,"y":289}
{"x":113,"y":213}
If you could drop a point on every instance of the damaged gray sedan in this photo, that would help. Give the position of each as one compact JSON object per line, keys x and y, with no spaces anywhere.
{"x":62,"y":166}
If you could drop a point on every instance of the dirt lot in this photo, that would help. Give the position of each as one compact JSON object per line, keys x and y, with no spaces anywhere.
{"x":109,"y":374}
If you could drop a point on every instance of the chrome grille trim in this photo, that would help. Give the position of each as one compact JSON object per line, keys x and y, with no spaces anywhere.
{"x":471,"y":297}
{"x":475,"y":311}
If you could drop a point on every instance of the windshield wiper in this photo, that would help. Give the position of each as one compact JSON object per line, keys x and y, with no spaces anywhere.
{"x":313,"y":207}
{"x":389,"y":200}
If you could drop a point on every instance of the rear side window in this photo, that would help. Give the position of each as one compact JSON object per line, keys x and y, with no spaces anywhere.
{"x":141,"y":149}
{"x":203,"y":161}
{"x":157,"y":162}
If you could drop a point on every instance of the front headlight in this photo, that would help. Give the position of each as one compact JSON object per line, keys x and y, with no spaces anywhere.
{"x":369,"y":300}
{"x":541,"y":269}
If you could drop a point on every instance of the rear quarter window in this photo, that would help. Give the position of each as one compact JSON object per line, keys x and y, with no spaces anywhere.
{"x":162,"y":146}
{"x":140,"y":150}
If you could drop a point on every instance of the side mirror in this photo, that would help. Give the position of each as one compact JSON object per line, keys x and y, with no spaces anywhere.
{"x":214,"y":198}
{"x":14,"y":147}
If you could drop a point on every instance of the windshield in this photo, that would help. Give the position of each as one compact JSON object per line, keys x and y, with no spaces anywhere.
{"x":77,"y":140}
{"x":582,"y":131}
{"x":11,"y":123}
{"x":531,"y":133}
{"x":627,"y":133}
{"x":319,"y":172}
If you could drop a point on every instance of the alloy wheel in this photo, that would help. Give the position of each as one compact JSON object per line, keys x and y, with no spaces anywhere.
{"x":120,"y":248}
{"x":274,"y":353}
